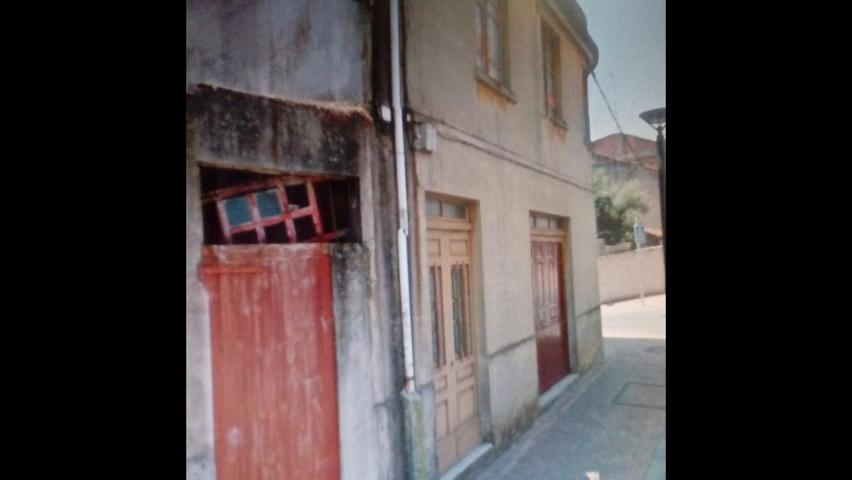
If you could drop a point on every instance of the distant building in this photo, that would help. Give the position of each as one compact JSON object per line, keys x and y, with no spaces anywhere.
{"x":622,"y":158}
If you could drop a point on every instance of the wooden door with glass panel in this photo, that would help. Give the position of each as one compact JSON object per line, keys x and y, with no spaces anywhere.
{"x":456,"y":412}
{"x":549,"y":306}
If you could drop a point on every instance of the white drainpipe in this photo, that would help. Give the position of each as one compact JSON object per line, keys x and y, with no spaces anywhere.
{"x":402,"y":198}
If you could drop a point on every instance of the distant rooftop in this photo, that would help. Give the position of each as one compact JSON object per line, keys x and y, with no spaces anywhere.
{"x":623,"y":147}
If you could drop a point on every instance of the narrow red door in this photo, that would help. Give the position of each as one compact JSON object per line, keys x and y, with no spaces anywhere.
{"x":551,"y":322}
{"x":274,"y":369}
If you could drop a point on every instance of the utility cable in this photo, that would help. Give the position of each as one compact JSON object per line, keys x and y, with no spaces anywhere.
{"x":614,"y":118}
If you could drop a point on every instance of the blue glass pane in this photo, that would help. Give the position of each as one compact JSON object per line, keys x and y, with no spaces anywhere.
{"x":237,"y":210}
{"x":267,"y":203}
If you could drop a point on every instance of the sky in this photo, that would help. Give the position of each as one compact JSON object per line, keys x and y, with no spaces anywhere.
{"x":631,"y":38}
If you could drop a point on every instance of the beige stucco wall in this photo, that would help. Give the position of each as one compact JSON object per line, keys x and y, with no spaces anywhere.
{"x":507,"y":158}
{"x":619,"y":274}
{"x":504,"y":194}
{"x":441,"y":62}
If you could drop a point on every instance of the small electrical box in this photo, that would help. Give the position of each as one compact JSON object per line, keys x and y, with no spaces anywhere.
{"x":426,"y":137}
{"x":386,"y":113}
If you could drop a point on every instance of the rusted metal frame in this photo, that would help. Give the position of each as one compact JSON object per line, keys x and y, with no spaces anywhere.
{"x":312,"y":200}
{"x":284,"y":203}
{"x":256,"y":218}
{"x":258,"y":223}
{"x":284,"y":180}
{"x":328,"y":236}
{"x":263,"y":222}
{"x":269,"y":221}
{"x":223,"y":221}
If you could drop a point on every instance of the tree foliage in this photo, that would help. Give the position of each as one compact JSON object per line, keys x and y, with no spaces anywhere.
{"x":617,"y":206}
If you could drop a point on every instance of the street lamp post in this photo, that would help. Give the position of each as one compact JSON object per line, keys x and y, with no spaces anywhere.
{"x":656,"y":118}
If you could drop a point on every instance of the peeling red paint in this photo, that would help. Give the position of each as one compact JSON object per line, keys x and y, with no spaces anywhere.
{"x":274,"y":365}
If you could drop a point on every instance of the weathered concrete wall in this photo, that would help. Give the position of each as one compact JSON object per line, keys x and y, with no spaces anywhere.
{"x":514,"y":390}
{"x":200,"y":464}
{"x":290,"y":48}
{"x":290,"y":87}
{"x":245,"y":131}
{"x":363,"y":449}
{"x":618,"y":274}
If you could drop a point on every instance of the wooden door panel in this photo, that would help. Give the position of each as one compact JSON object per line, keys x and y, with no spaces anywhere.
{"x":467,"y":403}
{"x":457,"y":416}
{"x":550,"y":313}
{"x":467,"y":436}
{"x":442,"y":419}
{"x":464,"y":372}
{"x":274,"y":370}
{"x":459,"y":248}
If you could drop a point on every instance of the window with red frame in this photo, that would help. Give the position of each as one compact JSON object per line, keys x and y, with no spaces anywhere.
{"x":246,"y":208}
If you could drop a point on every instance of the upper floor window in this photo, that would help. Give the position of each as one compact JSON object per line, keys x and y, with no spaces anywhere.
{"x":552,"y":73}
{"x":491,"y":34}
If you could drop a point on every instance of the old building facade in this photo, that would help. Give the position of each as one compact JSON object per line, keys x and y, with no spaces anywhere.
{"x":500,"y":87}
{"x":295,"y":326}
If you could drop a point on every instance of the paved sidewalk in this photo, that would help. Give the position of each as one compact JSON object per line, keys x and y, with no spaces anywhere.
{"x":610,"y":424}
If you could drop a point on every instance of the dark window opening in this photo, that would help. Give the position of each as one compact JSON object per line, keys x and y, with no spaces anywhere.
{"x":439,"y":356}
{"x":248,"y":208}
{"x":552,"y":73}
{"x":297,"y":196}
{"x":305,"y":227}
{"x":491,"y":57}
{"x":244,"y":238}
{"x":277,"y":234}
{"x":461,"y":327}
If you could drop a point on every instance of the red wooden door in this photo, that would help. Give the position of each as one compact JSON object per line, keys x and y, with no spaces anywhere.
{"x":551,"y":321}
{"x":274,"y":368}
